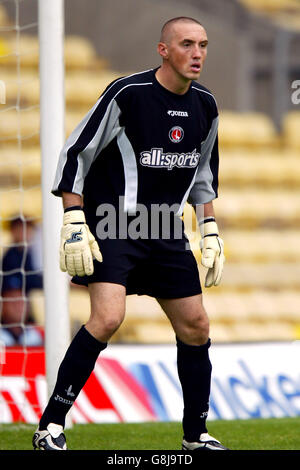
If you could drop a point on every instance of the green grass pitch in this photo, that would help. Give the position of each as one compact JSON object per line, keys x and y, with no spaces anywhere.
{"x":256,"y":434}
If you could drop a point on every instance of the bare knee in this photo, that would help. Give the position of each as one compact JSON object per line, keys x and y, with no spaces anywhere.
{"x":194,"y":330}
{"x":188,"y":318}
{"x":102,"y":326}
{"x":108,"y":326}
{"x":107,"y":310}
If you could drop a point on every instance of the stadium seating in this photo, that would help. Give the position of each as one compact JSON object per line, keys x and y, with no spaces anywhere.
{"x":291,"y":127}
{"x":272,"y":6}
{"x":79,"y":52}
{"x":239,"y":129}
{"x":20,"y":125}
{"x":251,"y":208}
{"x":20,"y":167}
{"x":243,"y":168}
{"x":20,"y":201}
{"x":82,"y":89}
{"x":285,"y":13}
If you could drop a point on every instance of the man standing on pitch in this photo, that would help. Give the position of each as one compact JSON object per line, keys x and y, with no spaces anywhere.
{"x":150,"y":140}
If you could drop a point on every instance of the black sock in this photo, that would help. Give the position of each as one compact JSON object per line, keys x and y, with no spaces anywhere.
{"x":194,"y":371}
{"x":74,"y":370}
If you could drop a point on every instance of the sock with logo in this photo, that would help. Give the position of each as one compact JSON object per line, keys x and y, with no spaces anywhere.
{"x":74,"y":370}
{"x":194,"y":371}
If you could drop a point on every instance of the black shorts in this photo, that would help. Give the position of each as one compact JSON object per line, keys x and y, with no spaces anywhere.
{"x":158,"y":268}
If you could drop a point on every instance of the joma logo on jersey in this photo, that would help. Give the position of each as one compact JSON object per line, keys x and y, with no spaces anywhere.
{"x":178,"y":113}
{"x":158,"y":159}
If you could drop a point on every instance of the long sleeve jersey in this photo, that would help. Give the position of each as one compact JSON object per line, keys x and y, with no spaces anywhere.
{"x":144,"y":144}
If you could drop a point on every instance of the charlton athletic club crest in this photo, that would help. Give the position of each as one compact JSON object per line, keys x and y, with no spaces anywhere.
{"x":176,"y":134}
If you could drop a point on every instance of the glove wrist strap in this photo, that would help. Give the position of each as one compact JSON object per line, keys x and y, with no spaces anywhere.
{"x":74,"y":216}
{"x":209,"y":227}
{"x":73,"y":208}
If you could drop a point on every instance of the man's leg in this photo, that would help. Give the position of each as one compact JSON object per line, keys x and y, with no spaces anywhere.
{"x":190,"y":323}
{"x":107,"y":313}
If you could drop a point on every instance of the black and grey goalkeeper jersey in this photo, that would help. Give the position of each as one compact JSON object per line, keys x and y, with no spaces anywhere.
{"x":144,"y":144}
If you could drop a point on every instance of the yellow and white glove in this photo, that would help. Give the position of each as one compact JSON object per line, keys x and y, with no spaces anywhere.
{"x":78,"y":246}
{"x":212,"y":249}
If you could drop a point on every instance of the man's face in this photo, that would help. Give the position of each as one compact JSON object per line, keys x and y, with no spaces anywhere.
{"x":186,"y":50}
{"x":22,"y":233}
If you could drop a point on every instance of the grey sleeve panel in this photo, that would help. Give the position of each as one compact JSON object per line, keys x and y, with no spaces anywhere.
{"x":205,"y":182}
{"x":107,"y":130}
{"x":130,"y":172}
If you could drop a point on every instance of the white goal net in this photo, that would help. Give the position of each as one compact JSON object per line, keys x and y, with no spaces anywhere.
{"x":20,"y":204}
{"x":26,"y":213}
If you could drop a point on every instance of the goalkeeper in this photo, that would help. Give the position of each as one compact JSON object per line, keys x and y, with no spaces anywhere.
{"x":150,"y":140}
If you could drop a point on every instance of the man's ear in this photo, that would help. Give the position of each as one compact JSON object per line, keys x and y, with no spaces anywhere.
{"x":162,"y":49}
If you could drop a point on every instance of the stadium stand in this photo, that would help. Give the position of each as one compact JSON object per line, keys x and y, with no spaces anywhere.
{"x":272,"y":6}
{"x":239,"y":129}
{"x":285,"y":13}
{"x":258,"y":209}
{"x":291,"y":126}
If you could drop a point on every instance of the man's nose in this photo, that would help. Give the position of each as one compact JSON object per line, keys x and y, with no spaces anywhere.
{"x":197,"y":52}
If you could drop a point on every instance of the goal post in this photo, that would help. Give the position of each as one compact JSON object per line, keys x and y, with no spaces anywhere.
{"x":52,"y":136}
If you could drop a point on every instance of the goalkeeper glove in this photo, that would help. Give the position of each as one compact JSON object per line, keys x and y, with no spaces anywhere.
{"x":212,"y":249}
{"x":78,"y":246}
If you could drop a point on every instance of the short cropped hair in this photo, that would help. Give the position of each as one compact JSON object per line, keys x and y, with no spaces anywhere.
{"x":167,"y":26}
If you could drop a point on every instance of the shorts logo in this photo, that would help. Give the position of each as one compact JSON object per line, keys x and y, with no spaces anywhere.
{"x":176,"y":134}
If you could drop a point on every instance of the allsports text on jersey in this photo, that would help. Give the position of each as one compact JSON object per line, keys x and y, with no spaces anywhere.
{"x":158,"y":159}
